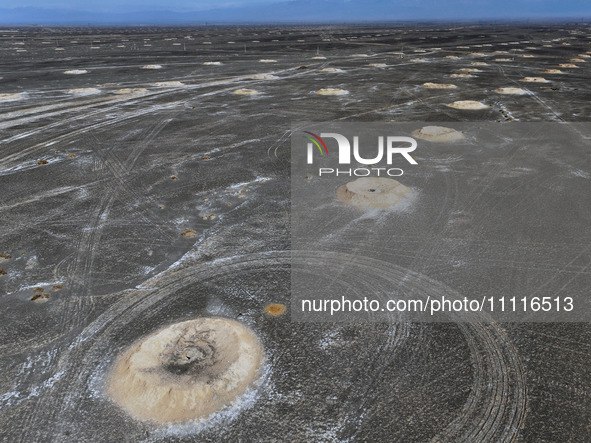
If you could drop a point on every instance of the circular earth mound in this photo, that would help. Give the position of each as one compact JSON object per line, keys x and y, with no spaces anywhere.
{"x":372,"y":192}
{"x":186,"y":371}
{"x":244,"y":91}
{"x":83,"y":91}
{"x":534,"y":80}
{"x":516,"y":91}
{"x":471,"y":105}
{"x":332,"y":91}
{"x":438,"y":134}
{"x":263,"y":76}
{"x":430,"y":85}
{"x":168,"y":84}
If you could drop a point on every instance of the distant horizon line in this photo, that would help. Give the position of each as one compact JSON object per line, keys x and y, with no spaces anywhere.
{"x":463,"y":21}
{"x":290,"y":12}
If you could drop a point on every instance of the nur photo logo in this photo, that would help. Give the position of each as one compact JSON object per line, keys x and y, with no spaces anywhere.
{"x":349,"y":149}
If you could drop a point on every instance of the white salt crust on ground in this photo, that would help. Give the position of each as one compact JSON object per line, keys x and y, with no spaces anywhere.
{"x":9,"y":97}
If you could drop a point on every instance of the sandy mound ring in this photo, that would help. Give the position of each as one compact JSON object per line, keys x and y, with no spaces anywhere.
{"x":468,"y":104}
{"x":152,"y":67}
{"x":332,"y":91}
{"x":372,"y":192}
{"x":244,"y":91}
{"x":438,"y":134}
{"x":553,"y":71}
{"x":516,"y":91}
{"x":267,"y":60}
{"x":76,"y":71}
{"x":430,"y":85}
{"x":186,"y":371}
{"x":212,"y":63}
{"x":331,"y":70}
{"x":7,"y":97}
{"x":462,"y":76}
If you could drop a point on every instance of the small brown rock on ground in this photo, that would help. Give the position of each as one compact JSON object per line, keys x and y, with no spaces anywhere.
{"x":40,"y":298}
{"x":189,"y":233}
{"x":275,"y":309}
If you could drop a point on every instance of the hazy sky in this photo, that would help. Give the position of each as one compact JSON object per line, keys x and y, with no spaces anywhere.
{"x":198,"y":5}
{"x":131,"y":5}
{"x":132,"y":11}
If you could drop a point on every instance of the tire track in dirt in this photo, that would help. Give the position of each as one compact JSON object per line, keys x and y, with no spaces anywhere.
{"x":494,"y":411}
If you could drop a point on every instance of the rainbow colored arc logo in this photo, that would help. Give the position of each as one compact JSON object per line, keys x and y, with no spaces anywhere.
{"x":315,"y":140}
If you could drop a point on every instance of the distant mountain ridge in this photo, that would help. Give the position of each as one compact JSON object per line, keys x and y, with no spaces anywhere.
{"x":306,"y":11}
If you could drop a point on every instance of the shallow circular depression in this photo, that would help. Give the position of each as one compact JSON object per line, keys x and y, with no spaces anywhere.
{"x":373,"y":381}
